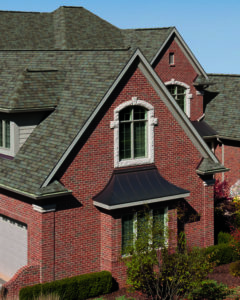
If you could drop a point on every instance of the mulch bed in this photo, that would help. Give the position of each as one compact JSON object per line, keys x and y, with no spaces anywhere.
{"x":220,"y":274}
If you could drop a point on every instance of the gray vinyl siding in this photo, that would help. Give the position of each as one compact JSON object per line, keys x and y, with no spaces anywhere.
{"x":24,"y":132}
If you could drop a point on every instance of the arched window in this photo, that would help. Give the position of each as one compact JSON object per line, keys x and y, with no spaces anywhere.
{"x":133,"y":132}
{"x":179,"y":94}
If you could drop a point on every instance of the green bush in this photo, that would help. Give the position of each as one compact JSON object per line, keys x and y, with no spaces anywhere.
{"x":221,"y":254}
{"x":211,"y":290}
{"x":224,"y":238}
{"x":74,"y":288}
{"x":234,"y":269}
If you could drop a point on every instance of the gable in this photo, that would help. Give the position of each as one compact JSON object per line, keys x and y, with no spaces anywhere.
{"x":185,"y":49}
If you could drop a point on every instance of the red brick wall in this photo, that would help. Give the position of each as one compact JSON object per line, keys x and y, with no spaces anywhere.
{"x":99,"y":233}
{"x":80,"y":238}
{"x":231,"y":161}
{"x":27,"y":275}
{"x":181,"y":71}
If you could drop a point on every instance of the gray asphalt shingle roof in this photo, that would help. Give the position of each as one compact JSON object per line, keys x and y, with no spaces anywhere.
{"x":223,"y":105}
{"x":82,"y":57}
{"x":88,"y":76}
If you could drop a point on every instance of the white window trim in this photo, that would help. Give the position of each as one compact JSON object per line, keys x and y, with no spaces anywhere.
{"x":14,"y":144}
{"x":189,"y":96}
{"x":151,"y":122}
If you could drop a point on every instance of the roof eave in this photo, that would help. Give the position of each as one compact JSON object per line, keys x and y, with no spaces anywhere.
{"x":36,"y":196}
{"x":214,"y":171}
{"x":22,"y":110}
{"x":143,"y":202}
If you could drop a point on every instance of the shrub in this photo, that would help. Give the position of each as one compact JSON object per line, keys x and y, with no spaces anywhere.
{"x":221,"y":254}
{"x":79,"y":287}
{"x":234,"y":269}
{"x":211,"y":290}
{"x":224,"y":237}
{"x":163,"y":274}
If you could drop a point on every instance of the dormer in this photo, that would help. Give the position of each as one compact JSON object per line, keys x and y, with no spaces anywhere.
{"x":34,"y":94}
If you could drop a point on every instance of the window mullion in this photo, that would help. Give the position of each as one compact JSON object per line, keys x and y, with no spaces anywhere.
{"x":132,"y":139}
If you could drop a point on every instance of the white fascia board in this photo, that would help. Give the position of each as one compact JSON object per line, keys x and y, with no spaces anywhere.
{"x":144,"y":202}
{"x":195,"y":63}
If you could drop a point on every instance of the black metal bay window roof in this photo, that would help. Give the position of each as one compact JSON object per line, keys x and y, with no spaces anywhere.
{"x":137,"y":186}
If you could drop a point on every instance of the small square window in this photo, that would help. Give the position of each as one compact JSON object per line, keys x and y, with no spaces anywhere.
{"x":171,"y":58}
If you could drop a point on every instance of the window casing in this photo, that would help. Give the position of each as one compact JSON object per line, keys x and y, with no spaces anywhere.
{"x":133,"y":133}
{"x":179,"y":94}
{"x":133,"y":227}
{"x":187,"y":98}
{"x":5,"y":134}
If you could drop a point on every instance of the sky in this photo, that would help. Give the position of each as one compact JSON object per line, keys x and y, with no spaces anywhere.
{"x":211,"y":28}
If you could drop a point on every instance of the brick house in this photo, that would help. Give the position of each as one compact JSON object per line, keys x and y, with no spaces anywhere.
{"x":97,"y":122}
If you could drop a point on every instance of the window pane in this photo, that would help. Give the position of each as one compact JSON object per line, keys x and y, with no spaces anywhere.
{"x":171,"y":58}
{"x":127,"y":233}
{"x":158,"y":227}
{"x":179,"y":93}
{"x":180,"y":89}
{"x":171,"y":89}
{"x":139,"y":113}
{"x":142,"y":223}
{"x":7,"y":134}
{"x":139,"y":139}
{"x":1,"y":133}
{"x":181,"y":101}
{"x":125,"y":140}
{"x":126,"y":114}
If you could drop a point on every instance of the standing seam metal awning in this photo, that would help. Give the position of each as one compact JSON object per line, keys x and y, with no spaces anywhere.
{"x":137,"y":186}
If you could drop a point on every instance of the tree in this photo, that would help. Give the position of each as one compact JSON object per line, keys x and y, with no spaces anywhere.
{"x":159,"y":272}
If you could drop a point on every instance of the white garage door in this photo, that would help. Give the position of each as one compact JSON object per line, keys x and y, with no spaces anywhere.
{"x":13,"y":246}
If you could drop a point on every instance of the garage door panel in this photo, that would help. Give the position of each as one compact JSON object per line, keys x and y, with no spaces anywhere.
{"x":13,"y":246}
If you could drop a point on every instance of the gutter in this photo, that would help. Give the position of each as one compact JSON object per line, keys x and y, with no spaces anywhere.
{"x":35,"y":196}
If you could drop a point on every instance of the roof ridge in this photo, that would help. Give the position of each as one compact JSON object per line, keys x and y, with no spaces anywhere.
{"x":24,"y":12}
{"x":149,"y":28}
{"x":221,"y":74}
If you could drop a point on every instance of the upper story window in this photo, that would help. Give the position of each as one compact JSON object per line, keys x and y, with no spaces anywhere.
{"x":5,"y":134}
{"x":133,"y":133}
{"x":181,"y":93}
{"x":171,"y":59}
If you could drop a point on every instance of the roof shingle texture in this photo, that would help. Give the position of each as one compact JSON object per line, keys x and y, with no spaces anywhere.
{"x":89,"y":75}
{"x":223,"y":105}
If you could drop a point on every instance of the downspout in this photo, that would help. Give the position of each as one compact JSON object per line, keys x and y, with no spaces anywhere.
{"x":223,"y":174}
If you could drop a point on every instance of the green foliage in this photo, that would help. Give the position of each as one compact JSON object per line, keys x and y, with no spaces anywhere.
{"x":211,"y":290}
{"x":47,"y":297}
{"x":163,"y":274}
{"x":221,"y":254}
{"x":74,"y":288}
{"x":234,"y":269}
{"x":224,"y":237}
